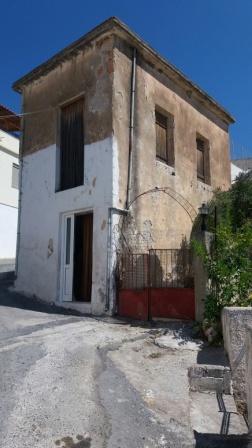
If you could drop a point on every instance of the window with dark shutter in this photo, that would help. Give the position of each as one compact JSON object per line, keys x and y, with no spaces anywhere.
{"x":165,"y":138}
{"x":72,"y":145}
{"x":203,"y":166}
{"x":200,"y":158}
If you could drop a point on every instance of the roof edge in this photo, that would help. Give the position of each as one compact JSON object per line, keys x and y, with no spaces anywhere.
{"x":102,"y":28}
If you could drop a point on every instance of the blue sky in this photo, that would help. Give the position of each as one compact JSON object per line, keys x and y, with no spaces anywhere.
{"x":209,"y":40}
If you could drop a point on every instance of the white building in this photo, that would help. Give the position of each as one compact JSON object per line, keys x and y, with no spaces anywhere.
{"x":235,"y":171}
{"x":9,"y":169}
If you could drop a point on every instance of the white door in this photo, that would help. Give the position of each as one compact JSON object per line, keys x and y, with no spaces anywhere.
{"x":67,"y":262}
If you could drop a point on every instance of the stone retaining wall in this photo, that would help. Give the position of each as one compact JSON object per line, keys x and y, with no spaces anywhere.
{"x":249,"y":373}
{"x":235,"y":321}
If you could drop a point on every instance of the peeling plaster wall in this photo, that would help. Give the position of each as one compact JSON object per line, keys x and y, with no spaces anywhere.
{"x":158,"y":220}
{"x":40,"y":243}
{"x":89,"y":73}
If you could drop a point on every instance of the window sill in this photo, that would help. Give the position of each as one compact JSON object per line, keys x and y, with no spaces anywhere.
{"x":169,"y":168}
{"x":203,"y":185}
{"x":68,"y":189}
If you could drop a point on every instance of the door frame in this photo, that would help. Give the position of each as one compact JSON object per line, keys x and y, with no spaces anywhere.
{"x":62,"y":253}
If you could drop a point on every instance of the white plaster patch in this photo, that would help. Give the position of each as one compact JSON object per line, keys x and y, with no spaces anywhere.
{"x":115,"y":174}
{"x":41,"y":212}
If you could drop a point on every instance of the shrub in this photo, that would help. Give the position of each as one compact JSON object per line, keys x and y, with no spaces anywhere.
{"x":229,"y":263}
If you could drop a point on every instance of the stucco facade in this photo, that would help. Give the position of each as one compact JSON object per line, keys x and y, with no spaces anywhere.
{"x":177,"y":207}
{"x":9,"y":155}
{"x":99,"y":68}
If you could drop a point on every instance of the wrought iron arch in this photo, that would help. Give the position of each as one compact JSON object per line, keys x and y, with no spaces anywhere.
{"x":183,"y":202}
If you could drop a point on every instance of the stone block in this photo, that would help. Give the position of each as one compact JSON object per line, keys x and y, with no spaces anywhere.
{"x":203,"y":378}
{"x":249,"y":374}
{"x":234,"y":324}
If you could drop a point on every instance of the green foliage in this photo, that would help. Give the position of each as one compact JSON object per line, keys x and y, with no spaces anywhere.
{"x":233,"y":207}
{"x":229,"y":263}
{"x":241,"y":199}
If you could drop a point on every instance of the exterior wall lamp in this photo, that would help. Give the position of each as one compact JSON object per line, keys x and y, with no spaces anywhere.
{"x":203,"y":211}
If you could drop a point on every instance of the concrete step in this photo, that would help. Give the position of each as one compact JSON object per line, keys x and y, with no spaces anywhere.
{"x":203,"y":378}
{"x":215,"y":419}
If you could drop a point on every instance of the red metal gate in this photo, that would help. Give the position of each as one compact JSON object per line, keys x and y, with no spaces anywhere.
{"x":158,"y":284}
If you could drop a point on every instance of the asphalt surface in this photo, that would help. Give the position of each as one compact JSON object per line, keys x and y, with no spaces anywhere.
{"x":70,"y":381}
{"x":59,"y":387}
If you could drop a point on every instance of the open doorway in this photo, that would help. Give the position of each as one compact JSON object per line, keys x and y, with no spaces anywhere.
{"x":83,"y":259}
{"x":77,"y":257}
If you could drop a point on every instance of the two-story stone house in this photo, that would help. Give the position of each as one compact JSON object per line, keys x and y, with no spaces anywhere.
{"x":111,"y":132}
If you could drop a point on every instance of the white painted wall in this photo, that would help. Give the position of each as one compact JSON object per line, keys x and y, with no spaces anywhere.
{"x":8,"y":232}
{"x":9,"y":149}
{"x":235,"y":171}
{"x":41,"y":215}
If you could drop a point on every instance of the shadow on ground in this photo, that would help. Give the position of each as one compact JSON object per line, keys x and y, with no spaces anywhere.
{"x":15,"y":300}
{"x":220,"y":441}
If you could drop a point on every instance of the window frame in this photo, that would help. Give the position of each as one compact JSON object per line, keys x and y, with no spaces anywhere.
{"x":205,"y":176}
{"x":169,"y":128}
{"x":61,"y":105}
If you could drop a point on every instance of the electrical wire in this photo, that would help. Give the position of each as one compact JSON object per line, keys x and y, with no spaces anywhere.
{"x":2,"y":117}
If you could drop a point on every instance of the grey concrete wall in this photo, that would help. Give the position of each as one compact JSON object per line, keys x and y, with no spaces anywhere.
{"x":249,"y":373}
{"x":234,"y":323}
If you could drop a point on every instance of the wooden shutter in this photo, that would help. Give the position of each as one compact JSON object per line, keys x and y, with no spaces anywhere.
{"x":72,"y":145}
{"x":161,"y":137}
{"x":200,"y":158}
{"x":170,"y":140}
{"x":165,"y":138}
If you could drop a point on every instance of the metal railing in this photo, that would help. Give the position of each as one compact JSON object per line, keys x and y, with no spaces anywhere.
{"x":160,"y":268}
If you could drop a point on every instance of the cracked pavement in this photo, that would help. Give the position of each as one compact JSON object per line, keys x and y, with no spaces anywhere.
{"x":81,"y":382}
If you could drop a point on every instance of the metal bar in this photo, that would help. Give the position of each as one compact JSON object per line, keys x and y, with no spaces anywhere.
{"x":132,"y":117}
{"x":148,"y":288}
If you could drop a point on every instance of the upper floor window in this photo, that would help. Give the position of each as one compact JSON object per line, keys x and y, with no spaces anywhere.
{"x":15,"y":176}
{"x":165,"y":137}
{"x":72,"y":145}
{"x":203,"y":167}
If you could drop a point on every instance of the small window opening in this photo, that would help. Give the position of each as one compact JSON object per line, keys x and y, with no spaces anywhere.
{"x":72,"y":145}
{"x":203,"y":167}
{"x":165,"y":137}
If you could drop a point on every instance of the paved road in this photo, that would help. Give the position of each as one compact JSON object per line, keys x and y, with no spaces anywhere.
{"x":59,"y":386}
{"x":70,"y":381}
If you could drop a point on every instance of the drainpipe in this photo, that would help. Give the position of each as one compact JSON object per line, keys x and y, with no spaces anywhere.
{"x":132,"y":122}
{"x":114,"y":209}
{"x":20,"y":186}
{"x":119,"y":211}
